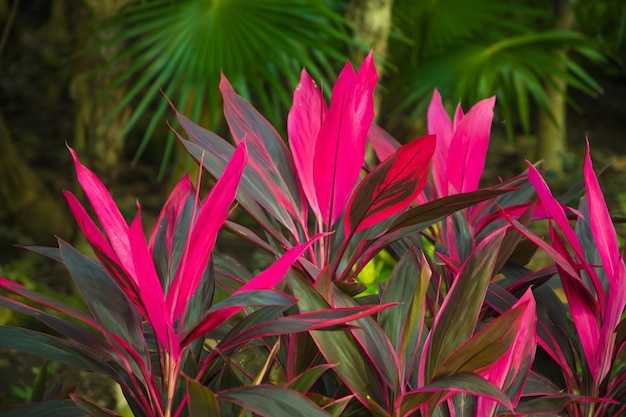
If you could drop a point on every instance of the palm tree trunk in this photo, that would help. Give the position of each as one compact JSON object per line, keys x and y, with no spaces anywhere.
{"x":371,"y":20}
{"x":552,"y":131}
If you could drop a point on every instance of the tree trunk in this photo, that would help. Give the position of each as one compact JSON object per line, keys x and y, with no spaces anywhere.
{"x":40,"y":214}
{"x":552,"y":131}
{"x":372,"y":23}
{"x":98,"y":130}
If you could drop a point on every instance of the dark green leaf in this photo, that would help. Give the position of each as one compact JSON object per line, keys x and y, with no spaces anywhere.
{"x":59,"y":408}
{"x":272,"y":401}
{"x":202,"y":401}
{"x":458,"y":316}
{"x":340,"y":348}
{"x":50,"y":347}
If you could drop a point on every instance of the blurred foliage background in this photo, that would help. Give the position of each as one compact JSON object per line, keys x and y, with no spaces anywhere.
{"x":95,"y":74}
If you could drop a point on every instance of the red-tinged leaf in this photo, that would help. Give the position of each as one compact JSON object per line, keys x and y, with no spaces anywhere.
{"x":212,"y":215}
{"x":89,"y":228}
{"x":113,"y":223}
{"x":466,"y":383}
{"x":442,"y":207}
{"x":383,"y":143}
{"x":340,"y":349}
{"x":440,"y":125}
{"x":93,"y":409}
{"x":391,"y":186}
{"x":268,"y":154}
{"x":464,"y":300}
{"x":404,"y":323}
{"x":483,"y":351}
{"x":213,"y":152}
{"x":510,"y":371}
{"x":269,"y":278}
{"x":106,"y":301}
{"x":52,"y":408}
{"x":303,"y":126}
{"x":551,"y":404}
{"x":603,"y":229}
{"x":557,"y":213}
{"x":272,"y":401}
{"x":151,"y":291}
{"x":303,"y":382}
{"x":171,"y":211}
{"x":584,"y":311}
{"x":468,"y":147}
{"x":340,"y":146}
{"x":337,"y":318}
{"x":53,"y":348}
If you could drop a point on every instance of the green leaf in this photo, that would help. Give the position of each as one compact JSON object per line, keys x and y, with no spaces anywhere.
{"x":458,"y":316}
{"x":340,"y":347}
{"x":202,"y":401}
{"x":58,"y":408}
{"x":39,"y":387}
{"x":50,"y":347}
{"x":94,"y":409}
{"x":272,"y":401}
{"x":460,"y":383}
{"x":303,"y":382}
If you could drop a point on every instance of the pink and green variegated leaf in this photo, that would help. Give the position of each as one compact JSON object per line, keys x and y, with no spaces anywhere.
{"x":468,"y":147}
{"x":303,"y":126}
{"x":212,"y":215}
{"x":340,"y":146}
{"x":341,"y":349}
{"x":268,"y":154}
{"x":214,"y":152}
{"x":557,"y":213}
{"x":267,"y":279}
{"x":107,"y":212}
{"x":391,"y":186}
{"x":483,"y":351}
{"x":511,"y":370}
{"x":465,"y":298}
{"x":171,"y":211}
{"x":440,"y":125}
{"x":383,"y":143}
{"x":583,"y":308}
{"x":151,"y":291}
{"x":441,"y":389}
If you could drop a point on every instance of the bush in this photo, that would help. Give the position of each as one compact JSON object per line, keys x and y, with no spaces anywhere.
{"x":461,"y":326}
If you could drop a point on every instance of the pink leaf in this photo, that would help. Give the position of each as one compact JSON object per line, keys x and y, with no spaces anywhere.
{"x":269,"y":278}
{"x":468,"y":147}
{"x":340,"y":147}
{"x":151,"y":291}
{"x":303,"y":125}
{"x":107,"y":212}
{"x":439,"y":124}
{"x":202,"y":236}
{"x":383,"y":143}
{"x":516,"y":363}
{"x":391,"y":186}
{"x":172,"y":209}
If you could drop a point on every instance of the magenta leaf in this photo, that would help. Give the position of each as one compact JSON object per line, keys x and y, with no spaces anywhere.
{"x":268,"y":154}
{"x":340,"y":146}
{"x":391,"y":186}
{"x":468,"y":147}
{"x":383,"y":143}
{"x":440,"y":125}
{"x":212,"y":215}
{"x":303,"y":126}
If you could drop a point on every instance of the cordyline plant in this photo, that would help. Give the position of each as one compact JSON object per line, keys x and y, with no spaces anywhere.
{"x":460,"y":327}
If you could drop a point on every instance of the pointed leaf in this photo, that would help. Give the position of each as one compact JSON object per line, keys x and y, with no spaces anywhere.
{"x":272,"y":401}
{"x":340,"y":146}
{"x":391,"y":186}
{"x":303,"y":125}
{"x":465,"y":299}
{"x":202,"y":401}
{"x":56,"y":408}
{"x":383,"y":143}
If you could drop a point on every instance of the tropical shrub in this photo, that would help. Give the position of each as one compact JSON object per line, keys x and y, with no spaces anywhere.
{"x":461,"y":326}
